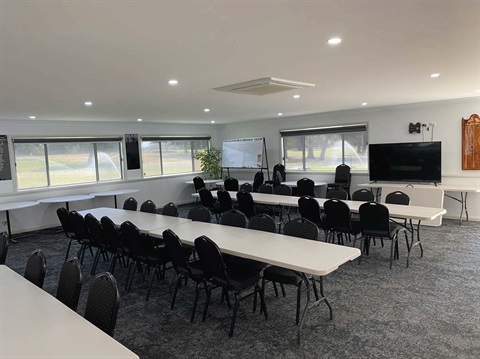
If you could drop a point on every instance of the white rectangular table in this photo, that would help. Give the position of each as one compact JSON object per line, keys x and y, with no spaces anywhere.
{"x":34,"y":324}
{"x":301,"y":255}
{"x":144,"y":221}
{"x":462,"y":189}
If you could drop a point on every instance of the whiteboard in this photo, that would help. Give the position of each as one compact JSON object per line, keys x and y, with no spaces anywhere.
{"x":243,"y":153}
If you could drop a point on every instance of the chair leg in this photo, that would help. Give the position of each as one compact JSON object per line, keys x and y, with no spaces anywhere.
{"x":128,"y":273}
{"x":95,"y":261}
{"x":207,"y":302}
{"x":263,"y":305}
{"x":155,"y":271}
{"x":255,"y":299}
{"x":299,"y":296}
{"x":174,"y":296}
{"x":234,"y":316}
{"x":391,"y":253}
{"x":275,"y":289}
{"x":68,"y":249}
{"x":195,"y":301}
{"x":283,"y":290}
{"x":113,"y":263}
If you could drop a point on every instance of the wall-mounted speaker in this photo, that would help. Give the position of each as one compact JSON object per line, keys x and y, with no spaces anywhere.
{"x":414,"y":127}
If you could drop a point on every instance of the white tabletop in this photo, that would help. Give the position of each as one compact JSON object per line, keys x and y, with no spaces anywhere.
{"x":114,"y":192}
{"x":73,"y":198}
{"x":206,"y":181}
{"x":240,"y":182}
{"x":16,"y":205}
{"x":260,"y":198}
{"x":303,"y":255}
{"x":293,"y":184}
{"x":445,"y":187}
{"x":34,"y":324}
{"x":144,"y":221}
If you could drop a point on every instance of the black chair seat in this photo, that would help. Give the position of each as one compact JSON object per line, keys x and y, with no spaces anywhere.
{"x":238,"y":261}
{"x":282,"y":275}
{"x":196,"y":271}
{"x":242,"y":277}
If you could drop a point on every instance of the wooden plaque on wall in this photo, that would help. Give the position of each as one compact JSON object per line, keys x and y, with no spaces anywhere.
{"x":471,"y":143}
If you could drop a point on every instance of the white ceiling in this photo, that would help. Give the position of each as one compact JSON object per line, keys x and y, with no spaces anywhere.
{"x":55,"y":55}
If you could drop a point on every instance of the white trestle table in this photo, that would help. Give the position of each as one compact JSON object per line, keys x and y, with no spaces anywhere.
{"x":145,"y":222}
{"x":114,"y":193}
{"x":11,"y":206}
{"x":66,"y":199}
{"x":462,"y":189}
{"x":34,"y":324}
{"x":308,"y":257}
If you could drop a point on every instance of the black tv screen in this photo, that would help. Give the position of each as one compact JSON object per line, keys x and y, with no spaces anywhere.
{"x":406,"y":162}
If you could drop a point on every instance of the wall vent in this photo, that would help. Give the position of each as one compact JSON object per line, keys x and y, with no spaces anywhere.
{"x":263,"y":86}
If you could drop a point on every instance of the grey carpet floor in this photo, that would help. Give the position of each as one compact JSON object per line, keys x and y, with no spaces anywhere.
{"x":430,"y":310}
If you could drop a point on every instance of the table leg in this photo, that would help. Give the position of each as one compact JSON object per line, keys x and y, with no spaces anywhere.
{"x":463,"y":203}
{"x":9,"y":230}
{"x":115,"y":200}
{"x":308,"y":306}
{"x":416,"y":243}
{"x":67,"y":207}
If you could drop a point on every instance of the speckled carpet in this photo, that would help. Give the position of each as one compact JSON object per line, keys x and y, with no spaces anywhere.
{"x":430,"y":310}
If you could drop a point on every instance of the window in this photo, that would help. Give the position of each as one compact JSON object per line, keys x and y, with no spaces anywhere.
{"x":170,"y":155}
{"x":51,"y":162}
{"x":323,"y":149}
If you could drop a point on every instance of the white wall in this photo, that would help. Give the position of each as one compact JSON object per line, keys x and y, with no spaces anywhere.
{"x":385,"y":124}
{"x":160,"y":190}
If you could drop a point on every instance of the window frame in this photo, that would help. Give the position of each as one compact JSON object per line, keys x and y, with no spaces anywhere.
{"x":338,"y":129}
{"x":159,"y":140}
{"x":45,"y":141}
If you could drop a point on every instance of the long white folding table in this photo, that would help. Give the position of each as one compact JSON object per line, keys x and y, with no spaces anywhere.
{"x":411,"y":213}
{"x":11,"y":206}
{"x":302,"y":255}
{"x":67,"y":199}
{"x":293,"y":184}
{"x":462,"y":189}
{"x":114,"y":193}
{"x":34,"y":324}
{"x":145,"y":222}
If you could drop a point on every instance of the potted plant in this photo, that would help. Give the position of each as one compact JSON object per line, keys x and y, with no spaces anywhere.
{"x":210,"y":162}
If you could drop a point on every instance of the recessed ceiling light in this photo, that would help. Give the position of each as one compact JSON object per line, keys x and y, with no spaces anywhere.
{"x":280,"y":114}
{"x":139,"y":120}
{"x":206,"y":110}
{"x":334,"y":41}
{"x":364,"y":104}
{"x":172,"y":82}
{"x":88,"y":103}
{"x":212,"y":121}
{"x":32,"y":117}
{"x":296,"y":96}
{"x":434,"y":75}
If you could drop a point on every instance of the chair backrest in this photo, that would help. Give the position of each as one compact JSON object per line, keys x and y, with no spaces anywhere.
{"x":95,"y":229}
{"x":265,"y":188}
{"x":170,"y":209}
{"x":374,"y":219}
{"x":230,"y":184}
{"x":309,"y":208}
{"x":262,"y":222}
{"x":111,"y":233}
{"x":148,"y":206}
{"x":305,"y":187}
{"x":279,"y":174}
{"x":337,"y":215}
{"x":200,"y":214}
{"x":136,"y":243}
{"x":70,"y":283}
{"x":342,"y":174}
{"x":102,"y":303}
{"x":234,"y":218}
{"x":206,"y":197}
{"x":62,"y":214}
{"x":363,"y":195}
{"x":246,"y":203}
{"x":302,"y":228}
{"x":337,"y":194}
{"x":257,"y":180}
{"x":398,"y":197}
{"x":130,"y":204}
{"x":283,"y":190}
{"x":224,"y":200}
{"x":211,"y":260}
{"x":198,"y":183}
{"x":3,"y":248}
{"x":79,"y":227}
{"x":36,"y":268}
{"x":246,"y":187}
{"x":176,"y":252}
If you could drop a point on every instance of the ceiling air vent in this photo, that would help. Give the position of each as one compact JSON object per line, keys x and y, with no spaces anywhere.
{"x":264,"y":86}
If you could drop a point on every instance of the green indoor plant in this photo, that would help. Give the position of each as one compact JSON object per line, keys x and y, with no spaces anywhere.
{"x":210,"y":162}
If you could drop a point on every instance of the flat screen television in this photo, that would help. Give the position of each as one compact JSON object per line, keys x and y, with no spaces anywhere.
{"x":406,"y":162}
